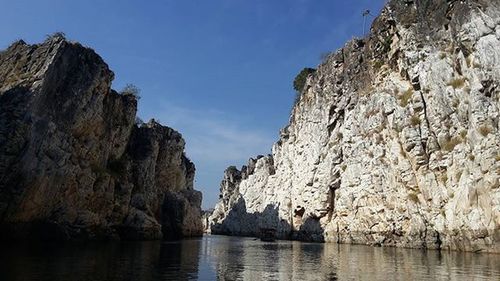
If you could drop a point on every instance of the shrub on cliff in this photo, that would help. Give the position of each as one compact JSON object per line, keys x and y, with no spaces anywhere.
{"x":300,"y":79}
{"x":56,"y":35}
{"x":131,"y":90}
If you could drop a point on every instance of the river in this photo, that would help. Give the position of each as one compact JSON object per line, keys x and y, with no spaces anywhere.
{"x":236,"y":258}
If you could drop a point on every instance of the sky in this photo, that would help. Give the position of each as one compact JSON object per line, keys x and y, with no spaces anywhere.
{"x":218,"y":71}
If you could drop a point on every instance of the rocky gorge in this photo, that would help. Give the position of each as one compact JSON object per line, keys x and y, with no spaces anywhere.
{"x":75,"y":164}
{"x":393,"y":140}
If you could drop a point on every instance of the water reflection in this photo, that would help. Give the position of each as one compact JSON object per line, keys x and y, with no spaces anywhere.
{"x":234,"y":258}
{"x":249,"y":259}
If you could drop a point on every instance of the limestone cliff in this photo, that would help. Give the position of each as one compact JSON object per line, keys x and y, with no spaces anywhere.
{"x":393,"y":141}
{"x":73,"y":163}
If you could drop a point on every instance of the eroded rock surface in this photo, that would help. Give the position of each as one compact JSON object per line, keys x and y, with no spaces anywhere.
{"x":394,"y":140}
{"x":73,"y":163}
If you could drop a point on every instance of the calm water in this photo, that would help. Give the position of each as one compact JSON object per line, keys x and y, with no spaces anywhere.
{"x":234,"y":258}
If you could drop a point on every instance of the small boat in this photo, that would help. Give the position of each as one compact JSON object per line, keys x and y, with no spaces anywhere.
{"x":268,"y":234}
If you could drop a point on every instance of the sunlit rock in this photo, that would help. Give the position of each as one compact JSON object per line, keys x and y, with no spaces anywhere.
{"x":394,"y":139}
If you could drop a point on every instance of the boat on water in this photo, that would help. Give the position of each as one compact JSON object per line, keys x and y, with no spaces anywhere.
{"x":268,"y":234}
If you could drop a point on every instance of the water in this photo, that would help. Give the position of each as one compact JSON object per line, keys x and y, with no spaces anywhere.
{"x":235,"y":258}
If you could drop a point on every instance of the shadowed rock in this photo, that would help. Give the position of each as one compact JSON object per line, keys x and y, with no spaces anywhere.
{"x":73,"y":163}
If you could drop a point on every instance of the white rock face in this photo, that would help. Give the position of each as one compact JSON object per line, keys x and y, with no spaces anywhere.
{"x":394,"y":140}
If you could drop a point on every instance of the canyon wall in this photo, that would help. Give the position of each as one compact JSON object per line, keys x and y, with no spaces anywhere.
{"x":393,"y":141}
{"x":73,"y":162}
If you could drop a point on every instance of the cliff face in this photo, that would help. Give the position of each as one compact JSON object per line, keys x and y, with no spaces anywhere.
{"x":73,"y":163}
{"x":394,"y":140}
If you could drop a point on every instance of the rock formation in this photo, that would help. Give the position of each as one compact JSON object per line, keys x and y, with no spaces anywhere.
{"x":205,"y":220}
{"x":73,"y":163}
{"x":393,"y":141}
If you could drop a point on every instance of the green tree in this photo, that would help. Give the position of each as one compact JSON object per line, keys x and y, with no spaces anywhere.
{"x":300,"y":79}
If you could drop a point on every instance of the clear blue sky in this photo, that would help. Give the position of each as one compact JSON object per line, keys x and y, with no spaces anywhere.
{"x":218,"y":71}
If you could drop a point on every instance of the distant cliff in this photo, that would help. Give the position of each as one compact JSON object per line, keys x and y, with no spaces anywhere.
{"x":393,"y":141}
{"x":73,"y":163}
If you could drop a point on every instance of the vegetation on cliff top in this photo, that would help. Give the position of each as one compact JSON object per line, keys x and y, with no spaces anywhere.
{"x":131,"y":90}
{"x":300,"y":79}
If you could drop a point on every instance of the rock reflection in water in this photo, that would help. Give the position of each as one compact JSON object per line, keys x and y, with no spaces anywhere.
{"x":152,"y":260}
{"x":236,"y":258}
{"x":249,"y":259}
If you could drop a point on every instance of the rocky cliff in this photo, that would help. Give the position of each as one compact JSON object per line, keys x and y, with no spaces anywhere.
{"x":393,"y":141}
{"x":73,"y":163}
